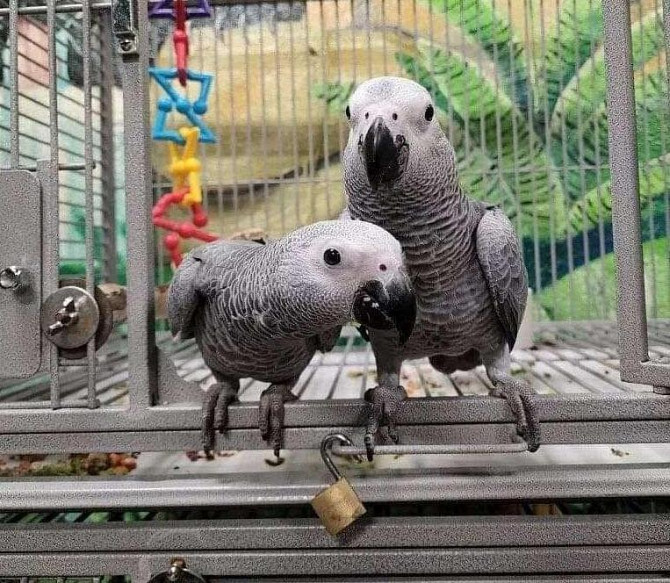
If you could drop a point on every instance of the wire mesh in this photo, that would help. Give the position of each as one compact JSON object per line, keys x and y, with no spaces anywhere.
{"x":521,"y":90}
{"x":57,"y":77}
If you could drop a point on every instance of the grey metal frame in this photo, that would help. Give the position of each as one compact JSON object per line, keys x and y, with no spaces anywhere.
{"x":449,"y":546}
{"x":164,"y":410}
{"x":435,"y":546}
{"x":636,"y":365}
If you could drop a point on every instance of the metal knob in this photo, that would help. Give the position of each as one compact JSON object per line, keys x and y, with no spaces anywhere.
{"x":67,"y":315}
{"x":70,"y":317}
{"x":10,"y":277}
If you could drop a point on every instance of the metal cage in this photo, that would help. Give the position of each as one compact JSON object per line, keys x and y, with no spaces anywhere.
{"x":139,"y":392}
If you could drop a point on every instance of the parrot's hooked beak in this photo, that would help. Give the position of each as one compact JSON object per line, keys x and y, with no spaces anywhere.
{"x":385,"y":305}
{"x":383,"y":155}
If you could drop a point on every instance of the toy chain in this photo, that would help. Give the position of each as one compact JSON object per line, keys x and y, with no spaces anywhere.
{"x":185,"y":167}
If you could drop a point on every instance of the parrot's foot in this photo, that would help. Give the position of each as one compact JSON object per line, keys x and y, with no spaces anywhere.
{"x":271,"y":414}
{"x":519,"y":396}
{"x":215,"y":413}
{"x":384,"y":403}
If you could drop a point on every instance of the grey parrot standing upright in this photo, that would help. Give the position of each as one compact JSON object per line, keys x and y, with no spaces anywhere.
{"x":463,"y":256}
{"x":262,"y":311}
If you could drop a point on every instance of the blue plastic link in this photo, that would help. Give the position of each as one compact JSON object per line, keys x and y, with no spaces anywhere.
{"x":180,"y":103}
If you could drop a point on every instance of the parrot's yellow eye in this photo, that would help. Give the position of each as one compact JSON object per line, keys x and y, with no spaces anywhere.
{"x":332,"y":257}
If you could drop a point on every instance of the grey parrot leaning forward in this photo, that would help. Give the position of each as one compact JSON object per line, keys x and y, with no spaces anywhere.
{"x":262,"y":311}
{"x":463,"y":256}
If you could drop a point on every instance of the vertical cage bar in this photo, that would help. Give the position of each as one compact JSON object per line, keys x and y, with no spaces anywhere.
{"x":666,"y":198}
{"x":108,"y":170}
{"x":625,"y":188}
{"x":14,"y":83}
{"x":141,"y":335}
{"x":48,"y":172}
{"x":88,"y":187}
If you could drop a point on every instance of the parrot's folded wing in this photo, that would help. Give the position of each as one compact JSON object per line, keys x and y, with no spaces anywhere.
{"x":500,"y":259}
{"x":204,"y":267}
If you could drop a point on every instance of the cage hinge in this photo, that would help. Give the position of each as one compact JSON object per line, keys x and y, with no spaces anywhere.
{"x":124,"y":26}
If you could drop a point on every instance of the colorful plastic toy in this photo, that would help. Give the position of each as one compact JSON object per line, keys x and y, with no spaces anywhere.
{"x":165,"y":9}
{"x":180,"y":40}
{"x":185,"y":167}
{"x":179,"y":231}
{"x":192,"y":111}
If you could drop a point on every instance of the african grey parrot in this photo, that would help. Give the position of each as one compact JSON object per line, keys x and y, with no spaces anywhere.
{"x":262,"y":311}
{"x":462,"y":256}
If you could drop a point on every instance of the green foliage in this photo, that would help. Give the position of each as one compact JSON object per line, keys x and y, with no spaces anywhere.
{"x":578,"y":31}
{"x":335,"y":95}
{"x":485,"y":27}
{"x":578,"y":123}
{"x":654,"y":177}
{"x":544,"y":164}
{"x":572,"y":296}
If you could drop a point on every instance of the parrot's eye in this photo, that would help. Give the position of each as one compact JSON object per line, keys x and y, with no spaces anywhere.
{"x":430,"y":112}
{"x":332,"y":256}
{"x":347,"y":112}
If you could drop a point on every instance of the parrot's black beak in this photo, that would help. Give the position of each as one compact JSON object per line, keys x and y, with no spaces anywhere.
{"x":383,"y":306}
{"x":383,"y":155}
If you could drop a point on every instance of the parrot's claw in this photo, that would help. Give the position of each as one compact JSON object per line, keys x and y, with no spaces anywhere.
{"x":384,"y":404}
{"x":271,"y":414}
{"x":215,"y":414}
{"x":519,"y":396}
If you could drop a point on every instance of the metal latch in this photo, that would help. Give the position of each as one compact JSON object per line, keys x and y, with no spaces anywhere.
{"x":177,"y":573}
{"x":124,"y":26}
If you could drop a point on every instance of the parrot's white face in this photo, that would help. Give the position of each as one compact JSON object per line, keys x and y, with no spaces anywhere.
{"x":394,"y":135}
{"x":358,"y":264}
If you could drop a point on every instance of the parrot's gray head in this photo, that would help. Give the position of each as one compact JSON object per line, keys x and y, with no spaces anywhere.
{"x":356,"y":268}
{"x":395,"y":141}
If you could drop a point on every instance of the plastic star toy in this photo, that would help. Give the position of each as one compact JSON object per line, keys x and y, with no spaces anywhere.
{"x":176,"y":101}
{"x":165,"y":9}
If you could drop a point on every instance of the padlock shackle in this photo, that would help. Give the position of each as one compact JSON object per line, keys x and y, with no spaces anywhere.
{"x":326,"y":444}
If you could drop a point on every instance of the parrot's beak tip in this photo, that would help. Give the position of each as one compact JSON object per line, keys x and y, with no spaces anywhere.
{"x":384,"y":307}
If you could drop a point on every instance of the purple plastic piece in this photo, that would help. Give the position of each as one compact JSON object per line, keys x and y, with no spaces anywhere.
{"x":165,"y":9}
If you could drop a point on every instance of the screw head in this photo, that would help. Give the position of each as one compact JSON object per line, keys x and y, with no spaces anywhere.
{"x":126,"y":45}
{"x":10,"y":277}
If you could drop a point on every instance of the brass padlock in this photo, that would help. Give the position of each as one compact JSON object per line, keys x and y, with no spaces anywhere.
{"x":338,"y":506}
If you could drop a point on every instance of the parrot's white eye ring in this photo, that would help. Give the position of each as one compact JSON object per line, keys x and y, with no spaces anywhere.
{"x":332,"y":256}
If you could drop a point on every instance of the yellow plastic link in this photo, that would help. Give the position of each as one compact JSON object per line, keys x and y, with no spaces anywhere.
{"x":185,"y":166}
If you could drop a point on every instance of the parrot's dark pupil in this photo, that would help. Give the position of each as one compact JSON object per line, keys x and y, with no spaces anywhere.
{"x":332,"y":256}
{"x":348,"y":112}
{"x":429,"y":112}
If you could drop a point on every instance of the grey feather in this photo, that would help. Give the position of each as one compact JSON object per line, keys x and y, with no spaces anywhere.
{"x":500,"y":258}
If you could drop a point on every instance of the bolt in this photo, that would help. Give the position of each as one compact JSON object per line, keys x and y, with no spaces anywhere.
{"x":126,"y":45}
{"x":10,"y":277}
{"x":56,"y":328}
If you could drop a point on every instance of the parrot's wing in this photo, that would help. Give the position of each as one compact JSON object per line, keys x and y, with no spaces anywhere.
{"x":204,"y":267}
{"x":326,"y":341}
{"x":500,"y":259}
